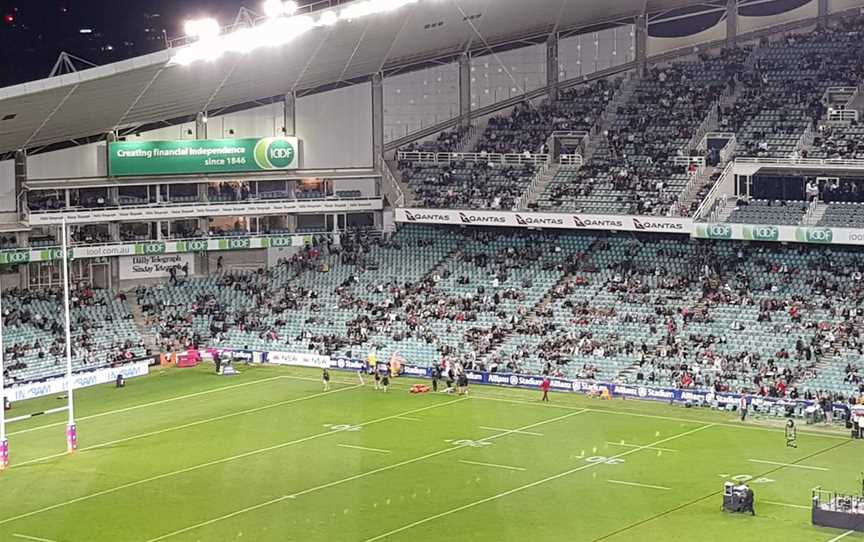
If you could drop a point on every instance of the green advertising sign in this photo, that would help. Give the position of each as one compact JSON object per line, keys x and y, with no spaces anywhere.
{"x":714,"y":231}
{"x":150,"y":248}
{"x":815,"y":235}
{"x":142,"y":158}
{"x":762,"y":233}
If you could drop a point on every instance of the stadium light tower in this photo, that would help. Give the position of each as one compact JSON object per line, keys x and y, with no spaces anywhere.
{"x":71,"y":429}
{"x":4,"y":442}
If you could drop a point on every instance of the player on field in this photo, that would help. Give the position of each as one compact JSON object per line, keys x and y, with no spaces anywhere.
{"x":544,"y":386}
{"x":791,"y":434}
{"x":385,"y":382}
{"x":377,"y":376}
{"x":325,"y":378}
{"x":742,"y":406}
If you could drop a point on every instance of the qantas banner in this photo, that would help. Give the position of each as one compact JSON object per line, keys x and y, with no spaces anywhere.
{"x":572,"y":221}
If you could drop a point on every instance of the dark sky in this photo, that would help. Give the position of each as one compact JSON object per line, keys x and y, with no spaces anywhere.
{"x":34,"y":32}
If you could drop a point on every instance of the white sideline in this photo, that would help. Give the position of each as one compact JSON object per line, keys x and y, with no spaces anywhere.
{"x":625,"y":445}
{"x":842,"y":536}
{"x":349,"y":479}
{"x":364,"y":448}
{"x":794,"y":466}
{"x":787,"y":505}
{"x":211,"y":463}
{"x":187,"y":425}
{"x":153,"y":403}
{"x":518,"y":432}
{"x":528,"y":486}
{"x":491,"y":465}
{"x":636,"y":484}
{"x":35,"y":538}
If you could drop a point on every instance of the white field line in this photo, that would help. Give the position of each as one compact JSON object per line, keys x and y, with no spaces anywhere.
{"x":152,"y":403}
{"x":364,"y":448}
{"x":212,"y":463}
{"x":348,"y":479}
{"x":787,"y":505}
{"x":491,"y":465}
{"x":530,"y":485}
{"x":764,"y":462}
{"x":187,"y":425}
{"x":408,"y":419}
{"x":842,"y":536}
{"x":533,"y":434}
{"x":652,"y":416}
{"x":625,"y":445}
{"x":35,"y":538}
{"x":636,"y":484}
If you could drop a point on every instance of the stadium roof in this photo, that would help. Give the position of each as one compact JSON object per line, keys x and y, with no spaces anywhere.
{"x":149,"y":89}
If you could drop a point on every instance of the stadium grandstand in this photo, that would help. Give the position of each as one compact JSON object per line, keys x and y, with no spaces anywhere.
{"x":656,"y":200}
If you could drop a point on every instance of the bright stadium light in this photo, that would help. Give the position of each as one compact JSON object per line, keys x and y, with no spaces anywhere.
{"x":328,"y":18}
{"x":280,"y":27}
{"x":202,"y":29}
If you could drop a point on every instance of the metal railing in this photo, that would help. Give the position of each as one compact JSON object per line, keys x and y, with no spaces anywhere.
{"x":571,"y":160}
{"x":713,"y":194}
{"x":535,"y":182}
{"x":843,"y":115}
{"x":826,"y":162}
{"x":473,"y":157}
{"x":398,"y":196}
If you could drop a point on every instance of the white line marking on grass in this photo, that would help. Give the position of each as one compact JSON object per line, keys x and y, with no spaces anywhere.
{"x":517,"y":432}
{"x":408,"y":419}
{"x":348,"y":479}
{"x":187,"y":425}
{"x":842,"y":536}
{"x":787,"y":505}
{"x":625,"y":445}
{"x":635,"y":484}
{"x":527,"y":486}
{"x":364,"y":448}
{"x":209,"y":464}
{"x":26,"y":537}
{"x":152,"y":403}
{"x":763,"y":461}
{"x":491,"y":465}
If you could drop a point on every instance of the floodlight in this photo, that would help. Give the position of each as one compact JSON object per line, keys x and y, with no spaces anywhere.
{"x":328,"y":18}
{"x":274,"y":8}
{"x":202,"y":28}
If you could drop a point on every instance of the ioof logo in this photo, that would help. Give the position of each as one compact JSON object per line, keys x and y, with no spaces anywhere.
{"x":514,"y":380}
{"x":762,"y":233}
{"x":274,"y":153}
{"x":718,"y":231}
{"x":823,"y":235}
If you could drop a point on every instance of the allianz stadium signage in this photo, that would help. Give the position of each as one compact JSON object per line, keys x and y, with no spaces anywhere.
{"x":546,"y":220}
{"x":206,"y":156}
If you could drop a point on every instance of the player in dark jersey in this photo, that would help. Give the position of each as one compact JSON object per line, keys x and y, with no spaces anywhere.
{"x":325,"y":378}
{"x":385,"y":382}
{"x":377,"y":379}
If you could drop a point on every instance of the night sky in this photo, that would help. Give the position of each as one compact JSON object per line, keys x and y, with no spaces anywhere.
{"x":34,"y":32}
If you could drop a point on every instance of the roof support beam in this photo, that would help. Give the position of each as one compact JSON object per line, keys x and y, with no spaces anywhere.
{"x":552,"y":66}
{"x":464,"y":89}
{"x":201,"y":126}
{"x":378,"y":121}
{"x":731,"y":22}
{"x":641,"y":24}
{"x":822,"y":13}
{"x":289,"y":119}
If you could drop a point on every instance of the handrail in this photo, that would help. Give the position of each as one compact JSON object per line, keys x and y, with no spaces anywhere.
{"x":387,"y":173}
{"x":713,"y":193}
{"x":800,"y":161}
{"x":535,"y":182}
{"x":571,"y":160}
{"x":473,"y":157}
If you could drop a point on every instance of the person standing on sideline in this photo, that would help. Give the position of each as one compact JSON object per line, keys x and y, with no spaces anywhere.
{"x":325,"y":378}
{"x":544,"y":386}
{"x":742,"y":406}
{"x":385,"y":381}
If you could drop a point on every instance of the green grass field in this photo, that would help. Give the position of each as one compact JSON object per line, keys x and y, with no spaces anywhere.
{"x":266,"y":456}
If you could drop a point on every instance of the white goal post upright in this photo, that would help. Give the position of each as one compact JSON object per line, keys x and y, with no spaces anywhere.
{"x":4,"y":442}
{"x":71,"y":429}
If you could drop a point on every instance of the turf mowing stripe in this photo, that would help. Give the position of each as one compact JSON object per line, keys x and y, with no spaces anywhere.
{"x":527,"y":486}
{"x":153,"y":403}
{"x":363,"y":448}
{"x":787,"y":505}
{"x":712,"y":494}
{"x":491,"y":465}
{"x":841,"y":537}
{"x":517,"y":432}
{"x":212,"y":463}
{"x":791,"y":465}
{"x":636,"y":484}
{"x":187,"y":425}
{"x":625,"y":445}
{"x":349,"y":479}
